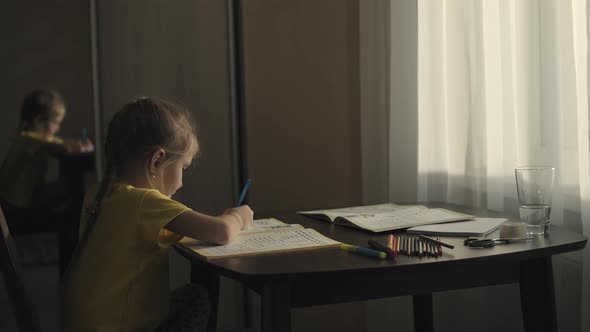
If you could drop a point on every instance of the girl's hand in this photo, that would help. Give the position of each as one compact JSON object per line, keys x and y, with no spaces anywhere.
{"x":87,"y":146}
{"x":73,"y":145}
{"x":243,"y":213}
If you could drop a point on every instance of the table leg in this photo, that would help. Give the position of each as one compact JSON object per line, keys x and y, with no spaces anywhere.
{"x":210,"y":281}
{"x":423,"y":321}
{"x":537,"y":296}
{"x":276,"y":308}
{"x":245,"y":307}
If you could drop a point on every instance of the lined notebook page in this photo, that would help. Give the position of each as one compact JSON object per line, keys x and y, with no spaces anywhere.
{"x":266,"y":225}
{"x":286,"y":239}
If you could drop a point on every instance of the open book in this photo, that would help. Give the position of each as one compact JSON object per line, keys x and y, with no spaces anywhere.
{"x":265,"y":236}
{"x":386,"y":217}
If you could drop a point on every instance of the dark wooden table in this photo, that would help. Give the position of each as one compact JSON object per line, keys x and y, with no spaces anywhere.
{"x":326,"y":276}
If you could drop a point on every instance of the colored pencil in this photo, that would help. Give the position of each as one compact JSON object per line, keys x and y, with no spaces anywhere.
{"x":437,"y":241}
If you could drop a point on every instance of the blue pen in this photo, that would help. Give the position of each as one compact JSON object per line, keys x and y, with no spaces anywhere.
{"x":243,"y":194}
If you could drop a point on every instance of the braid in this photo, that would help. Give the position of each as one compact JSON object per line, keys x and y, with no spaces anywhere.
{"x":92,"y":211}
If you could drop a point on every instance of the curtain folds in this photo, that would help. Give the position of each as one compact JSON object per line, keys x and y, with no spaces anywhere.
{"x":502,"y":84}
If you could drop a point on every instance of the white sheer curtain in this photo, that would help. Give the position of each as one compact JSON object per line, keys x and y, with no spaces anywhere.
{"x":504,"y":83}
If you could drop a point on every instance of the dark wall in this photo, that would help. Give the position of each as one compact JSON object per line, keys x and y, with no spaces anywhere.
{"x":45,"y":44}
{"x":179,"y":53}
{"x":302,"y":110}
{"x":302,"y":103}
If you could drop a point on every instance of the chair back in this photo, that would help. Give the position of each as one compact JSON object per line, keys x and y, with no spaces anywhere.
{"x":22,"y":306}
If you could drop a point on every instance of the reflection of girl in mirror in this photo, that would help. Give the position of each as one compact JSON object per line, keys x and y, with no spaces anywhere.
{"x":24,"y":169}
{"x":42,"y":113}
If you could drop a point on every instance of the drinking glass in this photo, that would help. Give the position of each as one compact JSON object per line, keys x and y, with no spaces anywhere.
{"x":534,"y":185}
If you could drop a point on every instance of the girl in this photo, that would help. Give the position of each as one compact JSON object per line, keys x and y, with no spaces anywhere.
{"x":23,"y":172}
{"x":118,"y":279}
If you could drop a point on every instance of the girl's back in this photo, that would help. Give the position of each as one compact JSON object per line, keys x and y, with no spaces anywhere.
{"x":118,"y":279}
{"x":25,"y":167}
{"x":117,"y":284}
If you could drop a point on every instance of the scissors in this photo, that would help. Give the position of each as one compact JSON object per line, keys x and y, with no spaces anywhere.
{"x":477,"y":242}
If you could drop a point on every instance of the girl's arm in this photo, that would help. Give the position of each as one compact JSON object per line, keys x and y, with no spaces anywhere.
{"x":220,"y":229}
{"x":69,"y":146}
{"x":66,"y":146}
{"x":74,"y":145}
{"x":54,"y":148}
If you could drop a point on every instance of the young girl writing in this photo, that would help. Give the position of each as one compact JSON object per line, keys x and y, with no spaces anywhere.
{"x":118,"y":279}
{"x":24,"y":170}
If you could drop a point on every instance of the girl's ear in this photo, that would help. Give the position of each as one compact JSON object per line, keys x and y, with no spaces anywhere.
{"x":156,"y":160}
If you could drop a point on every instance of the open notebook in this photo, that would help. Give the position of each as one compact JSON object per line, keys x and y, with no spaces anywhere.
{"x":386,"y":217}
{"x":265,"y":236}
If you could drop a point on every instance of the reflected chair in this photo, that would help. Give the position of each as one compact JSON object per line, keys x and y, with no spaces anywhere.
{"x":31,"y":232}
{"x":23,"y":308}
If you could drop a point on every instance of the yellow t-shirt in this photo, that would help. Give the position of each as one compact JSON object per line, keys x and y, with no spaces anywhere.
{"x":25,"y":166}
{"x":120,"y":282}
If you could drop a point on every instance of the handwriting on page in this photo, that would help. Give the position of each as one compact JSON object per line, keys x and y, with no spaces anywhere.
{"x":266,"y":225}
{"x":270,"y":222}
{"x":290,"y":238}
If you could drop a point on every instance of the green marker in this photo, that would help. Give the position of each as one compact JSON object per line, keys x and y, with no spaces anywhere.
{"x":364,"y":251}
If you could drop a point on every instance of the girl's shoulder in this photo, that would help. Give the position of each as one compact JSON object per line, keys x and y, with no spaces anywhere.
{"x":117,"y":191}
{"x":151,"y":204}
{"x":153,"y":199}
{"x":145,"y":195}
{"x":130,"y":197}
{"x":31,"y":143}
{"x":31,"y":135}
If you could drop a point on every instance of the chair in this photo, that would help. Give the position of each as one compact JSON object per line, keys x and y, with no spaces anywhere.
{"x":34,"y":234}
{"x":27,"y":221}
{"x":24,"y":310}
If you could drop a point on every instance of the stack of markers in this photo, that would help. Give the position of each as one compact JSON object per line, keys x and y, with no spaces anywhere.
{"x":414,"y":245}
